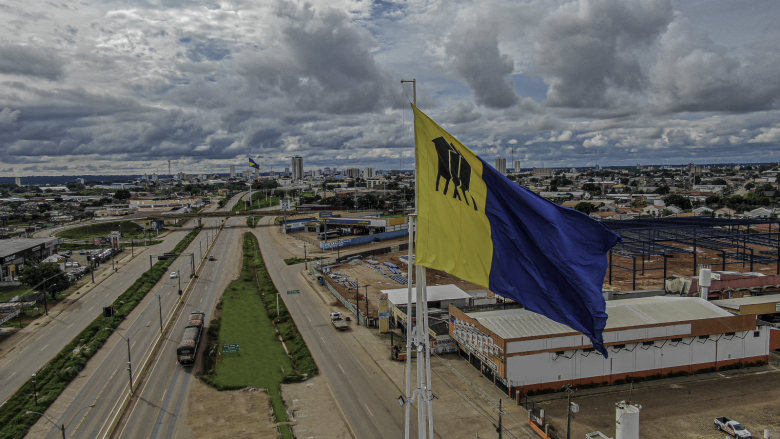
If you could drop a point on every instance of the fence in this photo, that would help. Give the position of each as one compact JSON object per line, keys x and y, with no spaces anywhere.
{"x":346,"y":242}
{"x":345,"y":302}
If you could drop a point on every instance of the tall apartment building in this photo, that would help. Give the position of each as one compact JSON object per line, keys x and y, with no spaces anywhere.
{"x":542,"y":172}
{"x":352,"y":172}
{"x":501,"y":165}
{"x":370,"y":173}
{"x":232,"y":170}
{"x":516,"y":165}
{"x":297,"y":168}
{"x":18,"y":181}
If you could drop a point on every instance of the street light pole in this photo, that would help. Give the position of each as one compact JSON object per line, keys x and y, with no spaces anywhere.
{"x":35,"y":389}
{"x":159,"y":300}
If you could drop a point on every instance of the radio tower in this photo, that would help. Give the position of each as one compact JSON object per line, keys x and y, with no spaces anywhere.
{"x":169,"y":168}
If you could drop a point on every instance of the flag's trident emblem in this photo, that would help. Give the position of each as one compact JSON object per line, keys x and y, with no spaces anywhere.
{"x":453,"y":167}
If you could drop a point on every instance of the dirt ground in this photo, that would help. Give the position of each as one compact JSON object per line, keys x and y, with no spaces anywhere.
{"x":679,"y":407}
{"x":680,"y":264}
{"x":249,"y":414}
{"x":310,"y":417}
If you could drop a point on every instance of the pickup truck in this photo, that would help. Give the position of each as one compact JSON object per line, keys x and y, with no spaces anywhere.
{"x":338,"y":322}
{"x":733,"y":428}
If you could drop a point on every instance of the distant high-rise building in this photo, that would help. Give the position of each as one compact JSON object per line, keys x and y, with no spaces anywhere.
{"x":80,"y":180}
{"x":297,"y":168}
{"x":286,"y":170}
{"x":18,"y":181}
{"x":154,"y":177}
{"x":326,"y":171}
{"x":501,"y":165}
{"x":232,"y":170}
{"x":598,"y":167}
{"x":352,"y":172}
{"x":370,"y":173}
{"x":516,"y":165}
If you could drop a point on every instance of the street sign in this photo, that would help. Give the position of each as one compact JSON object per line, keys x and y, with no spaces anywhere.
{"x":230,"y":348}
{"x":384,"y":315}
{"x":285,"y":204}
{"x":294,"y":292}
{"x":171,"y":255}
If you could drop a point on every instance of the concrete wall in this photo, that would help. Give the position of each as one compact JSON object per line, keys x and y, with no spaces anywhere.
{"x":550,"y":370}
{"x":355,"y":240}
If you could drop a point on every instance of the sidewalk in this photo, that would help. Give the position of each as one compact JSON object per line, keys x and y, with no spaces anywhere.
{"x":463,"y":393}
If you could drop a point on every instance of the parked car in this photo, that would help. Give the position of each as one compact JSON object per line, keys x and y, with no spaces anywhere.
{"x":82,"y":252}
{"x":212,"y":258}
{"x":174,"y":275}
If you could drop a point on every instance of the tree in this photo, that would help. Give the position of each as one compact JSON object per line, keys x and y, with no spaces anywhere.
{"x":712,"y":200}
{"x":45,"y":277}
{"x":122,"y":194}
{"x":585,"y":207}
{"x":662,"y":190}
{"x":679,"y":201}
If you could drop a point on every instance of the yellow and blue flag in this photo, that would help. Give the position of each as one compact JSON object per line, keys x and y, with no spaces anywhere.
{"x":478,"y":225}
{"x":252,"y":164}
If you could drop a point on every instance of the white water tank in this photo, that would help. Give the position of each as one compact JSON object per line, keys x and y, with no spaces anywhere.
{"x":627,"y":420}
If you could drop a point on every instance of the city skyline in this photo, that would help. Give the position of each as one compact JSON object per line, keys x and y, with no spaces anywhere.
{"x":103,"y":89}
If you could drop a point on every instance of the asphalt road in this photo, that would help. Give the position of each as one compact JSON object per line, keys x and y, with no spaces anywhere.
{"x":19,"y":362}
{"x":366,"y":396}
{"x":104,"y":381}
{"x":157,"y":412}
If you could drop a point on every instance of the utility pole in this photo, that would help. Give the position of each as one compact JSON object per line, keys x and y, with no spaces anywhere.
{"x":305,"y":260}
{"x":570,"y":390}
{"x":500,"y":428}
{"x":357,"y":301}
{"x":366,"y":285}
{"x":159,"y":300}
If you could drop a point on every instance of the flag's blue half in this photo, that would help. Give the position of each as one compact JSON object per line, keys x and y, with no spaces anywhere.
{"x":252,"y":164}
{"x":549,"y":258}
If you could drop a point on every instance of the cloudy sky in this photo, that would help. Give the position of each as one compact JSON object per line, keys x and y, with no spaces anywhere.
{"x":110,"y":86}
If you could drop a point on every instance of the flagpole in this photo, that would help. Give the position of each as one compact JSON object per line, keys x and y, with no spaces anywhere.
{"x":411,"y":226}
{"x":424,"y":392}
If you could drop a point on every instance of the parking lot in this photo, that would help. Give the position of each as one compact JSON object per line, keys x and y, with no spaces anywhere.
{"x":679,"y":407}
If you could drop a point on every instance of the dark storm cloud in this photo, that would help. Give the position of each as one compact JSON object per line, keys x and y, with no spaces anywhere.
{"x":695,"y":74}
{"x":461,"y":112}
{"x":591,"y":52}
{"x":324,"y":63}
{"x":30,"y":61}
{"x":476,"y":58}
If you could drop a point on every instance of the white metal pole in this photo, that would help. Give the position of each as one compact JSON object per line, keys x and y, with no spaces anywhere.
{"x":409,"y":330}
{"x":428,"y":387}
{"x":422,"y":336}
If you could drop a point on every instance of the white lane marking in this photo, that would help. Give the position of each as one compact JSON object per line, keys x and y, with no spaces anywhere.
{"x":323,"y":340}
{"x":11,"y":376}
{"x":90,"y":309}
{"x":163,"y":395}
{"x":342,"y":370}
{"x":369,"y":410}
{"x":309,"y":319}
{"x":71,"y":324}
{"x":44,"y":348}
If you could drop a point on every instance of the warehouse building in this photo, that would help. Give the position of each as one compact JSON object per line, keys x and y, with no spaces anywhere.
{"x":14,"y":252}
{"x":521,"y":350}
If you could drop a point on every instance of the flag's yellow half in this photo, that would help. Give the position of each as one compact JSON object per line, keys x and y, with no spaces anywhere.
{"x":453,"y":231}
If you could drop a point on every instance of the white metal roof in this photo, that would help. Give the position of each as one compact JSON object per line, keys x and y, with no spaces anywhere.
{"x":751,"y":300}
{"x":435,"y":294}
{"x":625,"y":313}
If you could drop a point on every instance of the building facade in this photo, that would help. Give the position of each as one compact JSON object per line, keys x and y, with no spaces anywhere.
{"x":370,"y":173}
{"x":645,"y":337}
{"x":297,"y":168}
{"x":352,"y":172}
{"x":501,"y":165}
{"x":232,"y":170}
{"x":516,"y":165}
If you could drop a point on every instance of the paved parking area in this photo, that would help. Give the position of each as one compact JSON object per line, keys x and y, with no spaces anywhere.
{"x":679,"y":407}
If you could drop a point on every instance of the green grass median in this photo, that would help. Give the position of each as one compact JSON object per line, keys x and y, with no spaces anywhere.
{"x":247,"y":321}
{"x":52,"y":379}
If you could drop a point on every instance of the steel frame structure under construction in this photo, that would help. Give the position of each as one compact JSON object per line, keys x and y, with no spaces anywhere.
{"x":664,"y":237}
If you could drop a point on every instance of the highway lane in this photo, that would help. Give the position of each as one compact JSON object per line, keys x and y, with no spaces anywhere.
{"x":17,"y":364}
{"x":157,"y":412}
{"x":366,"y":396}
{"x":105,"y":379}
